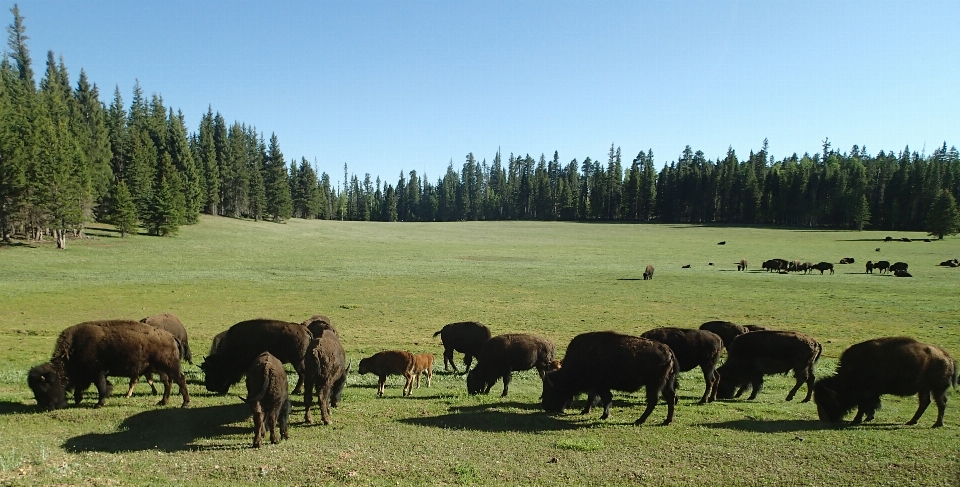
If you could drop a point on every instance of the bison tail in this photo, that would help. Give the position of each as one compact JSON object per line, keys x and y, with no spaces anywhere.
{"x":437,"y":333}
{"x":816,"y":358}
{"x":956,"y":375}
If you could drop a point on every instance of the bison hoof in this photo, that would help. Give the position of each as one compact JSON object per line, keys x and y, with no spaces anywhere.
{"x":938,"y":424}
{"x":666,"y":422}
{"x":327,"y":421}
{"x":638,"y":422}
{"x":185,"y":405}
{"x":911,"y":422}
{"x":256,"y":445}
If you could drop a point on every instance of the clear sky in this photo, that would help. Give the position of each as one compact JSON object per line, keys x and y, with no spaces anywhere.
{"x":400,"y":85}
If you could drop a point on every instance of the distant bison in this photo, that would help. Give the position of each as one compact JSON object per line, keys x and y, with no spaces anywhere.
{"x":755,"y":354}
{"x":847,"y":260}
{"x":503,"y":354}
{"x":466,"y":337}
{"x":823,"y":266}
{"x":685,"y":266}
{"x":325,"y":373}
{"x":423,"y":364}
{"x":245,"y":341}
{"x":869,"y":267}
{"x":648,"y":272}
{"x":389,"y":362}
{"x":881,"y":265}
{"x":600,"y":362}
{"x":950,"y":263}
{"x":726,"y":330}
{"x":267,"y":397}
{"x":775,"y":265}
{"x":905,"y":239}
{"x":742,"y":265}
{"x":899,"y":266}
{"x":722,"y":243}
{"x":900,"y":366}
{"x":88,"y":352}
{"x":692,"y":348}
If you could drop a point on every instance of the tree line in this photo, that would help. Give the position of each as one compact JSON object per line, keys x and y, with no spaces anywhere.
{"x":67,"y":159}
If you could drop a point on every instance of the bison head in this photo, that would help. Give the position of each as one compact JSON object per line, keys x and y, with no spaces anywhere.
{"x":555,"y":397}
{"x":48,"y":387}
{"x":220,"y":372}
{"x":475,"y":380}
{"x":364,"y":366}
{"x":831,"y":400}
{"x":729,"y":381}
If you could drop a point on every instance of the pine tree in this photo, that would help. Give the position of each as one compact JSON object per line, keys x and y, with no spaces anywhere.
{"x":943,"y":217}
{"x":276,"y":183}
{"x":168,"y":205}
{"x":124,"y":211}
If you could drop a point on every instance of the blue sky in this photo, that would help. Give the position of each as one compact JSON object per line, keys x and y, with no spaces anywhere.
{"x":391,"y":86}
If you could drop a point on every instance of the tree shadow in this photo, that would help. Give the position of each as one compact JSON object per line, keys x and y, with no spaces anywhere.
{"x":167,"y":429}
{"x":493,"y":421}
{"x":774,"y":426}
{"x":10,"y":407}
{"x":16,"y":244}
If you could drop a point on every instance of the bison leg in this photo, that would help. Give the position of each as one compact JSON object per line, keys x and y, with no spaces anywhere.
{"x":308,"y":399}
{"x":941,"y":400}
{"x":653,"y":397}
{"x":297,"y":389}
{"x":182,"y":384}
{"x":78,"y":392}
{"x":408,"y":386}
{"x":284,"y":419}
{"x":324,"y":402}
{"x":418,"y":378}
{"x":448,"y":359}
{"x":133,"y":382}
{"x":802,"y":375}
{"x":257,"y":425}
{"x":467,"y":361}
{"x":757,"y":385}
{"x":102,"y":389}
{"x":272,"y":423}
{"x":924,"y":402}
{"x":429,"y":376}
{"x":380,"y":384}
{"x":592,"y":400}
{"x":710,"y":381}
{"x":166,"y":390}
{"x":506,"y":384}
{"x":606,"y":398}
{"x":153,"y":389}
{"x":670,"y":396}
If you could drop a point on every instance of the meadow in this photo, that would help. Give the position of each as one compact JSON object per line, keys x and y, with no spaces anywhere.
{"x":392,"y":285}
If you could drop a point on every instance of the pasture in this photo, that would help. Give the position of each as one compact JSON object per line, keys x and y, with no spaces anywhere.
{"x":391,"y":286}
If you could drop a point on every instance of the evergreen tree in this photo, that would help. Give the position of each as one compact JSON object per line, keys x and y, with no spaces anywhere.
{"x":124,"y":211}
{"x":168,"y":206}
{"x":276,"y":183}
{"x":943,"y":217}
{"x":208,"y":163}
{"x":17,"y":42}
{"x":182,"y":159}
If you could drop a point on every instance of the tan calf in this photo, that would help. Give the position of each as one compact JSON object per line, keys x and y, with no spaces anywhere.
{"x":423,"y":363}
{"x":390,"y":362}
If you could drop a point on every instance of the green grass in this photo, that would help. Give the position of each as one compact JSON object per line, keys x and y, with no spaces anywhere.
{"x":392,"y":285}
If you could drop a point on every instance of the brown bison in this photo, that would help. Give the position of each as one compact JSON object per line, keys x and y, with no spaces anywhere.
{"x":325,"y":373}
{"x":742,"y":265}
{"x":899,"y":266}
{"x":648,"y":272}
{"x":423,"y":365}
{"x":506,"y":353}
{"x":869,"y":267}
{"x":882,"y":265}
{"x":466,"y":337}
{"x":267,"y":397}
{"x":823,"y":266}
{"x":692,"y":348}
{"x":88,"y":352}
{"x":900,"y":366}
{"x":755,"y":327}
{"x":389,"y":362}
{"x":172,"y":324}
{"x":245,"y":341}
{"x":316,"y":324}
{"x":726,"y":330}
{"x":604,"y":361}
{"x":847,"y":260}
{"x":758,"y":353}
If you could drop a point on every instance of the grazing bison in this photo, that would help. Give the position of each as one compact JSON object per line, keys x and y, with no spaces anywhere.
{"x":217,"y":340}
{"x":245,"y":341}
{"x":882,"y":266}
{"x":900,"y":366}
{"x":905,"y":239}
{"x":726,"y":330}
{"x":423,"y":365}
{"x":604,"y":361}
{"x":775,"y":265}
{"x":389,"y":362}
{"x":506,"y":353}
{"x":823,"y":266}
{"x":88,"y":352}
{"x":325,"y":373}
{"x":267,"y":397}
{"x":742,"y":265}
{"x":466,"y":337}
{"x":876,"y":249}
{"x":888,"y":239}
{"x":692,"y":348}
{"x":950,"y":263}
{"x":685,"y":266}
{"x":722,"y":243}
{"x":806,"y":267}
{"x":648,"y":272}
{"x":902,"y":274}
{"x":869,"y":267}
{"x":847,"y":260}
{"x":899,"y":266}
{"x":759,"y":353}
{"x":172,"y":324}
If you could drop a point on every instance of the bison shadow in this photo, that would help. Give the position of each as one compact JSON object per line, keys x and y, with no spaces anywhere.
{"x":12,"y":407}
{"x":167,"y":430}
{"x":771,"y":426}
{"x":492,"y":421}
{"x":629,"y":279}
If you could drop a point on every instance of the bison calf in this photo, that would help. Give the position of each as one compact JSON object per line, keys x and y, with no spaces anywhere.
{"x":693,"y":348}
{"x":389,"y":362}
{"x":900,"y":366}
{"x":423,"y":364}
{"x":600,"y":362}
{"x":758,"y":353}
{"x":506,"y":353}
{"x":466,"y":337}
{"x":648,"y":273}
{"x":324,"y":374}
{"x":267,"y":397}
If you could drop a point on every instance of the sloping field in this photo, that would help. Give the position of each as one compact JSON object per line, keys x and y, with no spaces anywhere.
{"x":390,"y":286}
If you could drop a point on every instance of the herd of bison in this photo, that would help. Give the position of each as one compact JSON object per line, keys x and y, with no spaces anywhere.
{"x":595,"y":363}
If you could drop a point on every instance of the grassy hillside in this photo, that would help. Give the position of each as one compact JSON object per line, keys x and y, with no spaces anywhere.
{"x":392,"y":285}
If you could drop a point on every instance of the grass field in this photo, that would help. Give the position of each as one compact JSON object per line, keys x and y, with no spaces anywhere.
{"x":392,"y":285}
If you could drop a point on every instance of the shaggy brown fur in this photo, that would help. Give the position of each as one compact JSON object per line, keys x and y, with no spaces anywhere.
{"x":506,"y":353}
{"x":325,"y":373}
{"x":316,"y":324}
{"x":87,"y":352}
{"x":389,"y":362}
{"x":423,"y":364}
{"x":172,"y":324}
{"x":648,"y":272}
{"x":726,"y":330}
{"x":267,"y":397}
{"x":693,"y":348}
{"x":758,"y":353}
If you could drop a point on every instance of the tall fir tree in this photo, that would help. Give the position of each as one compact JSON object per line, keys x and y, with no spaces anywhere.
{"x":943,"y":217}
{"x":123,"y":210}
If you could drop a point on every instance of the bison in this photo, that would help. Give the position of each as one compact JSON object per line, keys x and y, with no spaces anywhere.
{"x":950,"y":263}
{"x":88,"y":352}
{"x":742,"y":265}
{"x":900,"y":366}
{"x":267,"y":397}
{"x":823,"y":266}
{"x":899,"y":266}
{"x":599,"y":362}
{"x":692,"y":348}
{"x":506,"y":353}
{"x":648,"y":272}
{"x":423,"y":364}
{"x":869,"y":267}
{"x":390,"y":362}
{"x":882,"y":265}
{"x":726,"y":330}
{"x":758,"y":353}
{"x":325,"y":373}
{"x":847,"y":260}
{"x":316,"y":324}
{"x":466,"y":337}
{"x":172,"y":324}
{"x":245,"y":341}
